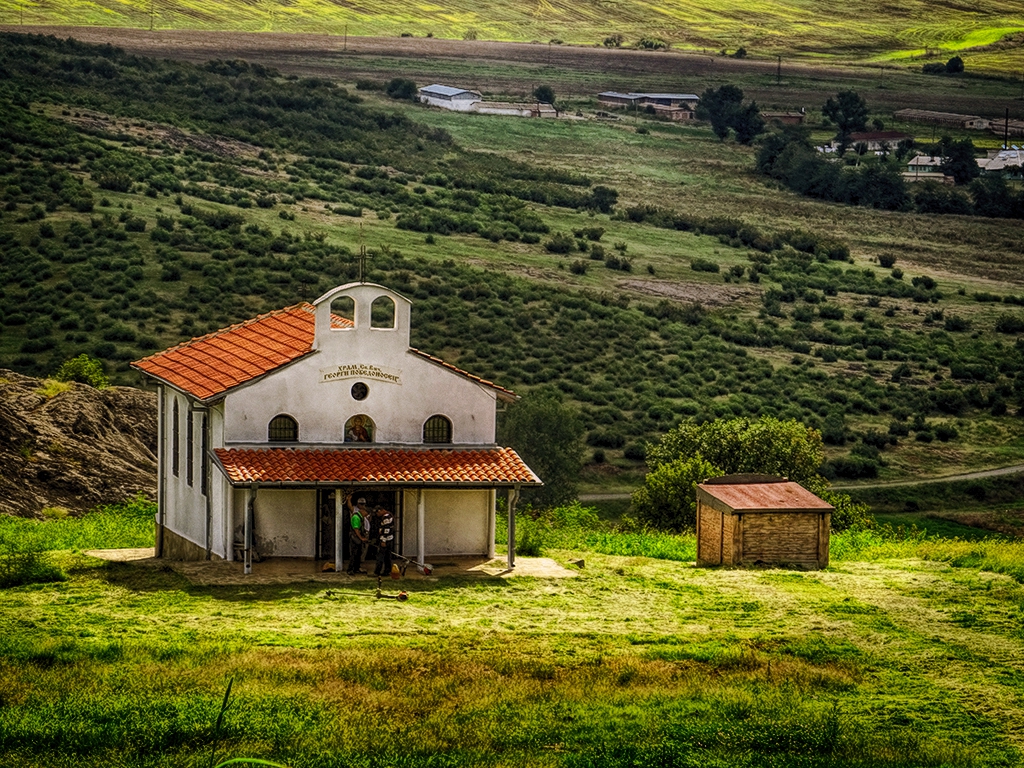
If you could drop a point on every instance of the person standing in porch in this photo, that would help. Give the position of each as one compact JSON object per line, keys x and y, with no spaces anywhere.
{"x":384,"y":539}
{"x":356,"y":537}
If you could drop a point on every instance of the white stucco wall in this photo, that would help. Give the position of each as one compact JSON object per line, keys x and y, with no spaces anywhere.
{"x":285,"y":522}
{"x":457,"y":522}
{"x":460,"y":103}
{"x":404,"y":392}
{"x":185,"y":506}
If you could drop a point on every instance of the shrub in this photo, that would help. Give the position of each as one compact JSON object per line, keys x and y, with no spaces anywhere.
{"x":83,"y":369}
{"x":560,"y":243}
{"x":401,"y":88}
{"x":887,"y":260}
{"x":703,"y":265}
{"x":578,"y":267}
{"x":23,"y":559}
{"x":1010,"y":324}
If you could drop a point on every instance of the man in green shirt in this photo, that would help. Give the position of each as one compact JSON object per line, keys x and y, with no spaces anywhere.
{"x":356,"y":537}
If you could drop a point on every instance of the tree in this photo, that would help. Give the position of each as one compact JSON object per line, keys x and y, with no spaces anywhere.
{"x":401,"y":88}
{"x":958,"y":159}
{"x":692,"y":452}
{"x":748,"y":123}
{"x":723,"y":108}
{"x":548,"y":435}
{"x":850,"y":114}
{"x":955,"y":65}
{"x":544,"y":94}
{"x":717,"y":106}
{"x":83,"y":369}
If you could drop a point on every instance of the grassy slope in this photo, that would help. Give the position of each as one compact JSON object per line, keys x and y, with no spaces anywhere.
{"x":681,"y":167}
{"x":848,"y":31}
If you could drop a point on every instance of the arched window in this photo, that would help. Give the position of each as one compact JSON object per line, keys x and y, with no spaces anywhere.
{"x":359,"y":429}
{"x":345,"y":308}
{"x":283,"y":429}
{"x":437,"y":429}
{"x":382,"y":313}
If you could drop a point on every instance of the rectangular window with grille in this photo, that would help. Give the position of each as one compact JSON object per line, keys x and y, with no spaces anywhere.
{"x":176,"y":447}
{"x":204,"y":472}
{"x":190,"y":447}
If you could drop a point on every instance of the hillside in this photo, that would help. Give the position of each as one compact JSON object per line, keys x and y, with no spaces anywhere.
{"x":73,"y":447}
{"x":863,"y":30}
{"x":149,"y":201}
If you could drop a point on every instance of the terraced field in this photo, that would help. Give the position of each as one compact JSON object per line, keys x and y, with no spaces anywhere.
{"x":989,"y":31}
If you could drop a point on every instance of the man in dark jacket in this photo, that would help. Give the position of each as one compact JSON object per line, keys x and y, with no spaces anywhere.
{"x":384,"y":538}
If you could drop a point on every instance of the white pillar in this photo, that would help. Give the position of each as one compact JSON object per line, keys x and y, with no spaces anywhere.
{"x":250,"y":505}
{"x":491,"y":522}
{"x":421,"y":525}
{"x":513,"y":497}
{"x":340,"y":529}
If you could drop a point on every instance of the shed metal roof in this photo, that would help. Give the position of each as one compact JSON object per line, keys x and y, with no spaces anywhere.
{"x":766,"y":497}
{"x":445,"y":90}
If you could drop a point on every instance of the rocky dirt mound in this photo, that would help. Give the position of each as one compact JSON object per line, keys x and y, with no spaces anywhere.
{"x":75,"y":448}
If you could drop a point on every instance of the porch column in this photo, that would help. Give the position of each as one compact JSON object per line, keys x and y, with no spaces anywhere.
{"x":250,"y":509}
{"x":513,"y":497}
{"x":421,"y":525}
{"x":491,"y":523}
{"x":340,"y":529}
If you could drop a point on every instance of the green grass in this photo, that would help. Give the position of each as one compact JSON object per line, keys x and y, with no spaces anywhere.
{"x":640,"y":658}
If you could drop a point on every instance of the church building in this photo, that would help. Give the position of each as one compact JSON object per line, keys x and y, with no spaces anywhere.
{"x":269,"y":429}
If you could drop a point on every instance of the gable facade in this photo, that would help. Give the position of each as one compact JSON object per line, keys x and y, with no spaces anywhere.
{"x":268,"y":427}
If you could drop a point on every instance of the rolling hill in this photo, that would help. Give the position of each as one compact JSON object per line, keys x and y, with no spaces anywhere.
{"x":863,"y":30}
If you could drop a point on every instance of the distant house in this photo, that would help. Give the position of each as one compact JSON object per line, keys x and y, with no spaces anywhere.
{"x":674,"y":106}
{"x":926,"y":168}
{"x":1008,"y":127}
{"x":786,"y":118}
{"x":950,"y":119}
{"x":447,"y":97}
{"x":876,"y":141}
{"x":1007,"y":162}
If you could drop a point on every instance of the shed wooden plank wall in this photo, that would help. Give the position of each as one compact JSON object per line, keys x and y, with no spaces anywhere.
{"x":780,"y":538}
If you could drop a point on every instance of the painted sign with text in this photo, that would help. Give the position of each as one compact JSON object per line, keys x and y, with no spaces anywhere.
{"x":361,"y":371}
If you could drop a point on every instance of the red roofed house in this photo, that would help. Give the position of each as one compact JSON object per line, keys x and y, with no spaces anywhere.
{"x":268,"y":426}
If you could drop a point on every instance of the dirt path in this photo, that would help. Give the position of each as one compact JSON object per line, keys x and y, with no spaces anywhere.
{"x":945,"y":479}
{"x":1017,"y":468}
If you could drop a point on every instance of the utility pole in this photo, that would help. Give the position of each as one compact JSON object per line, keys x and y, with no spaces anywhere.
{"x":346,"y":37}
{"x":778,"y":73}
{"x":151,"y":14}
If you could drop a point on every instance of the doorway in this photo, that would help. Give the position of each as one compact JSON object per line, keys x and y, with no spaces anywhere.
{"x":326,"y":517}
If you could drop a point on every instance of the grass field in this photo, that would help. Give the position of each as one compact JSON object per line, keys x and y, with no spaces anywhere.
{"x":856,"y":31}
{"x":905,"y":652}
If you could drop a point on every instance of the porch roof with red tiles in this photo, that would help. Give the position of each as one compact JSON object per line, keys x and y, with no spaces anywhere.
{"x":486,"y":467}
{"x":208,"y":367}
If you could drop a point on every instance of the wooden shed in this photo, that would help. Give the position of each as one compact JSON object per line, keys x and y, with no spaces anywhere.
{"x":761,"y":519}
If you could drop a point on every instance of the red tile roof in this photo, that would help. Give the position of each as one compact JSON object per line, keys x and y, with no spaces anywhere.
{"x":766,"y":497}
{"x":390,"y":466}
{"x":208,"y":366}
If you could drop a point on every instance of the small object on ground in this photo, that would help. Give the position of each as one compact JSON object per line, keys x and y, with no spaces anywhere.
{"x":327,"y":567}
{"x":578,"y":563}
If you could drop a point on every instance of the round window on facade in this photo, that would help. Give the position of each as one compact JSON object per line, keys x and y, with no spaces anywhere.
{"x":360,"y":391}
